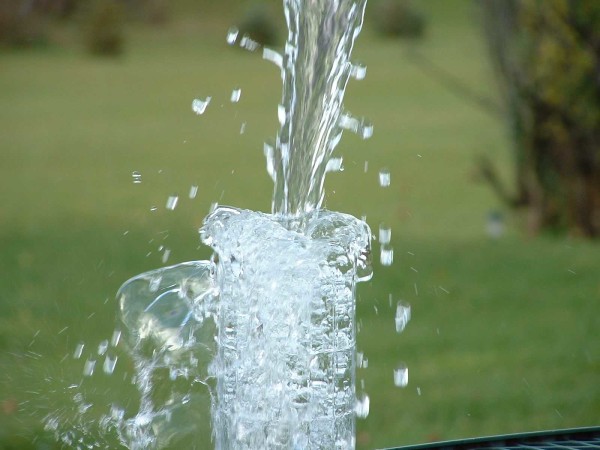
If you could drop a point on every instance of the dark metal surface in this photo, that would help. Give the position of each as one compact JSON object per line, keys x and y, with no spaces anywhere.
{"x":571,"y":439}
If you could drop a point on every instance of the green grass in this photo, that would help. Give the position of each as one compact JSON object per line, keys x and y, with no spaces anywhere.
{"x":504,"y":333}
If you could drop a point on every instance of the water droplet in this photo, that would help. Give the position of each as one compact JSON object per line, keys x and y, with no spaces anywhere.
{"x":165,"y":256}
{"x":334,"y":165}
{"x":154,"y":283}
{"x":359,"y":359}
{"x":88,"y":367}
{"x":116,"y":337}
{"x":281,"y":114}
{"x":232,"y":35}
{"x":402,"y":316}
{"x":235,"y":95}
{"x":248,"y":43}
{"x":362,"y":405}
{"x":172,"y":202}
{"x":78,"y":350}
{"x":384,"y":178}
{"x":193,"y":191}
{"x":348,"y":122}
{"x":273,"y":56}
{"x":102,"y":347}
{"x":401,"y":375}
{"x":386,"y":257}
{"x":269,"y":152}
{"x":385,"y":234}
{"x":362,"y":127}
{"x":136,"y":176}
{"x":365,"y":129}
{"x":199,"y":106}
{"x":109,"y":364}
{"x":358,"y":71}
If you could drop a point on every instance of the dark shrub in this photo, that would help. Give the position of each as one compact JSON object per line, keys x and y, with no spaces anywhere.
{"x":20,"y":24}
{"x":398,"y":18}
{"x":259,"y":23}
{"x":104,"y":28}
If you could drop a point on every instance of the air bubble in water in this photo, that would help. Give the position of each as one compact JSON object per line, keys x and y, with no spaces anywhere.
{"x":402,"y":316}
{"x":235,"y":95}
{"x":137,"y":177}
{"x":385,"y":234}
{"x":78,"y":350}
{"x":102,"y":347}
{"x":386,"y":256}
{"x":362,"y":405}
{"x":401,"y":375}
{"x":109,"y":364}
{"x":88,"y":367}
{"x":232,"y":35}
{"x":116,"y":337}
{"x":199,"y":106}
{"x":193,"y":191}
{"x":116,"y":413}
{"x":384,"y":178}
{"x":172,"y":202}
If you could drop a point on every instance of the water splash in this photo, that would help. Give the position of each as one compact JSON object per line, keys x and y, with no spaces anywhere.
{"x":265,"y":332}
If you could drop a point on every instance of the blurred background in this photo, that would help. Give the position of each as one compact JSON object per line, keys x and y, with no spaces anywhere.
{"x":486,"y":114}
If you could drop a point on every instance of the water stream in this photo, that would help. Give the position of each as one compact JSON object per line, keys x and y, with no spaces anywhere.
{"x":265,"y":331}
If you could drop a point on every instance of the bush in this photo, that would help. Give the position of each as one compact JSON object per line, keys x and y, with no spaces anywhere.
{"x":20,"y":25}
{"x":104,"y":28}
{"x":156,"y":12}
{"x":399,"y":18}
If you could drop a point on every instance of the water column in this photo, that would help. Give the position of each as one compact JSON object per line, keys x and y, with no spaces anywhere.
{"x":286,"y":328}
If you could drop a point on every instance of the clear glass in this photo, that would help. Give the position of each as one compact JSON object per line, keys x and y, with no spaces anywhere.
{"x":286,"y":339}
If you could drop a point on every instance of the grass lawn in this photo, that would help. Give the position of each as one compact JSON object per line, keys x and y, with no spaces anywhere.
{"x":504,"y":333}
